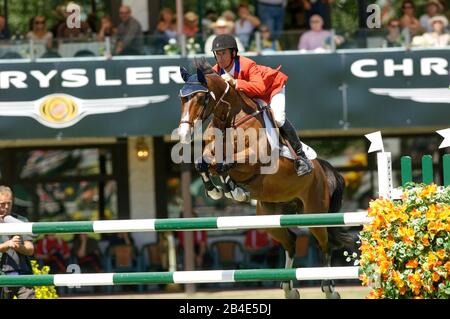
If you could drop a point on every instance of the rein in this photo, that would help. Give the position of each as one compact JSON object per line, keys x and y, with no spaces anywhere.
{"x":221,"y":100}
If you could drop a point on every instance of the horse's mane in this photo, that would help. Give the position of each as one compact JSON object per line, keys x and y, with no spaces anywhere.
{"x":203,"y":65}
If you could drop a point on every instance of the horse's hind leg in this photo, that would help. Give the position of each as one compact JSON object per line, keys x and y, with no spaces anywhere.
{"x":287,"y":239}
{"x":327,"y":286}
{"x":317,"y":201}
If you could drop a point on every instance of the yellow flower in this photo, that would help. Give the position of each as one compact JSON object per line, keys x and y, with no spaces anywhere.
{"x":447,"y":266}
{"x":415,"y":213}
{"x":425,"y":241}
{"x":435,"y":276}
{"x":441,"y":254}
{"x":415,"y":282}
{"x":384,"y":267}
{"x":428,"y":190}
{"x":396,"y":277}
{"x":407,"y":234}
{"x":375,"y":294}
{"x":412,"y":264}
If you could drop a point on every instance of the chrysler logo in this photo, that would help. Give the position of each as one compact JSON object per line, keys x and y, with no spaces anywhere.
{"x":421,"y":95}
{"x":63,"y":110}
{"x":58,"y":109}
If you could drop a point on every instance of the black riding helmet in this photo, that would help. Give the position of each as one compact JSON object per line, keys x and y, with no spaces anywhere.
{"x":224,"y":41}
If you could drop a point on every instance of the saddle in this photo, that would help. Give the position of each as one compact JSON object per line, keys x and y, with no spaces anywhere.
{"x":276,"y":140}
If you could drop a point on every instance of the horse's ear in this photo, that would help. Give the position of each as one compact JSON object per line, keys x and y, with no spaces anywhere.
{"x":184,"y":73}
{"x":201,"y":76}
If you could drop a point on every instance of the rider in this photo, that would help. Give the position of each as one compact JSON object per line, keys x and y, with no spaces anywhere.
{"x":259,"y":82}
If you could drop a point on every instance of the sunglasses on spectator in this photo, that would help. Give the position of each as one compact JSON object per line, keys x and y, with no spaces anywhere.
{"x":39,"y":22}
{"x":408,"y":7}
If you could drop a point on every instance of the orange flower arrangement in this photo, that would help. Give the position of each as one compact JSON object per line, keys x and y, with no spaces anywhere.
{"x":405,"y":250}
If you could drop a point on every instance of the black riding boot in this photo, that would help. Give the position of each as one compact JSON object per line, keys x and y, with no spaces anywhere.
{"x":302,"y":164}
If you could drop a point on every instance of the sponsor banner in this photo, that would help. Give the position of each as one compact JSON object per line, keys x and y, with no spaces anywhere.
{"x":74,"y":98}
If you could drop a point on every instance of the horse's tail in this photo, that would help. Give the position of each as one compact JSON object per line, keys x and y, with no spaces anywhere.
{"x":338,"y":237}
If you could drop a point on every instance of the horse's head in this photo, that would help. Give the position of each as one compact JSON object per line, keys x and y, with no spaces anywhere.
{"x":199,"y":99}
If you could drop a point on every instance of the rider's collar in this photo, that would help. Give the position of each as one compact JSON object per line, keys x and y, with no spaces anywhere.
{"x":234,"y":70}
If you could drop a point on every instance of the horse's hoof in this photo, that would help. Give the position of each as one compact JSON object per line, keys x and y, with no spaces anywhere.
{"x":229,"y":195}
{"x":216,"y":193}
{"x":292,"y":294}
{"x":332,"y":295}
{"x":240,"y":195}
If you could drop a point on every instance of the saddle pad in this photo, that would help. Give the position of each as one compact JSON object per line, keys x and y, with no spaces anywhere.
{"x":274,"y":140}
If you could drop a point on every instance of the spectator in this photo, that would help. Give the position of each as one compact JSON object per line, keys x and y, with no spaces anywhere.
{"x":438,"y":38}
{"x":316,"y":38}
{"x":388,"y":11}
{"x":320,"y":7}
{"x":200,"y":247}
{"x":15,"y":250}
{"x":394,"y":36}
{"x":258,"y":240}
{"x":190,"y":26}
{"x":92,"y":22}
{"x":122,"y":251}
{"x":87,"y":253}
{"x":54,"y":252}
{"x":271,"y":13}
{"x":221,"y":26}
{"x":166,"y":30}
{"x":129,"y":34}
{"x":120,"y":239}
{"x":107,"y":28}
{"x":4,"y":31}
{"x":209,"y":18}
{"x":246,"y":24}
{"x":408,"y":20}
{"x":167,"y":24}
{"x":39,"y":33}
{"x":433,"y":8}
{"x":268,"y":44}
{"x":60,"y":19}
{"x":229,"y":16}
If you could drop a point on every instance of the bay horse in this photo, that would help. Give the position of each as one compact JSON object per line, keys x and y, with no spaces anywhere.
{"x":205,"y":94}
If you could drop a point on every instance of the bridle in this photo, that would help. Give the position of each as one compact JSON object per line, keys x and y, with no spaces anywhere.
{"x":206,"y":103}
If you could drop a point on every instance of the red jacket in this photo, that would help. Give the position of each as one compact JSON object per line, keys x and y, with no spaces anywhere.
{"x":257,"y":81}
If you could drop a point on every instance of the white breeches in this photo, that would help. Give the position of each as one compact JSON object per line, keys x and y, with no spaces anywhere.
{"x":278,"y":105}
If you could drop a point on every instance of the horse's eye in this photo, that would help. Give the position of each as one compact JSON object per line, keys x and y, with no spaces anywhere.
{"x":201,"y":99}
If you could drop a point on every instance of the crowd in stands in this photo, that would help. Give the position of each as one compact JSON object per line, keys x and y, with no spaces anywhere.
{"x":254,"y":31}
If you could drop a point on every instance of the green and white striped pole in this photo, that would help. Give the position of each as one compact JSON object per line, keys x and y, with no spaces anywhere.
{"x":182,"y":277}
{"x":184,"y":224}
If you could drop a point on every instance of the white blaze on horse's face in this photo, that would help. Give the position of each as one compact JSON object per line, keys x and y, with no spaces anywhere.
{"x":185,"y":129}
{"x":191,"y":112}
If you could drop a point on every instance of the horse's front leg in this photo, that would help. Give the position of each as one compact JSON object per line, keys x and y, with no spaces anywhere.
{"x":230,"y":188}
{"x":212,"y":191}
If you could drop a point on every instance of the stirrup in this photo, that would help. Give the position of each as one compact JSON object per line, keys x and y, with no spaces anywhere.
{"x":303,"y":166}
